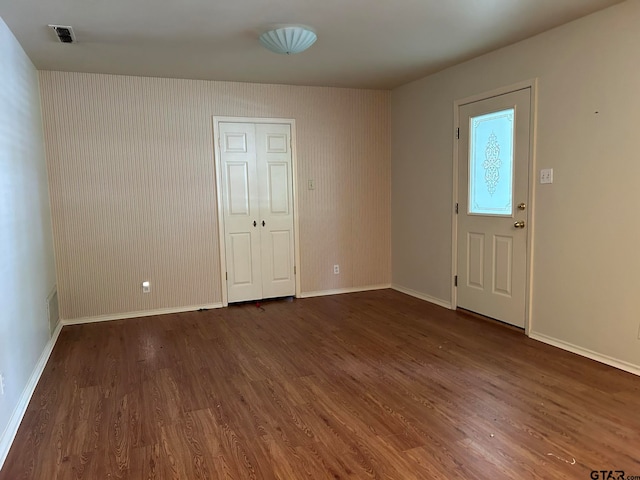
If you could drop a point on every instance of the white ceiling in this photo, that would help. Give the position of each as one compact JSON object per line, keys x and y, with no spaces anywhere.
{"x":361,"y":43}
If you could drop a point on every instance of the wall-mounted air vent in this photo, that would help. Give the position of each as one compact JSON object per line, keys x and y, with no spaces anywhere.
{"x":52,"y":310}
{"x":64,"y":34}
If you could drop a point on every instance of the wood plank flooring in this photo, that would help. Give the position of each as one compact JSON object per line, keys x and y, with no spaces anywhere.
{"x":374,"y":385}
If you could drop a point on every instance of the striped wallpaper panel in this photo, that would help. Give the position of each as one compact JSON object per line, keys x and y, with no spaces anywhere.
{"x":131,"y":171}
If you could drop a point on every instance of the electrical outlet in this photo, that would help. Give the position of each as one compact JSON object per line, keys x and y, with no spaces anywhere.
{"x":1,"y":384}
{"x":336,"y":269}
{"x":146,"y":287}
{"x":546,"y":175}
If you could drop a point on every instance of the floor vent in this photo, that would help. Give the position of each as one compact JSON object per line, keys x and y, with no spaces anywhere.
{"x":52,"y":309}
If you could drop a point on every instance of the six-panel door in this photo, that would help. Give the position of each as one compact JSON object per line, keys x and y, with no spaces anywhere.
{"x":258,"y":210}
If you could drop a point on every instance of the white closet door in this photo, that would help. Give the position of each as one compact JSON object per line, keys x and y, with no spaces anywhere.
{"x":273,"y":149}
{"x":257,"y":193}
{"x":240,"y":195}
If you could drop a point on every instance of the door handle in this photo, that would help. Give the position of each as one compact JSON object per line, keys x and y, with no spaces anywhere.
{"x":263,"y":224}
{"x":255,"y":224}
{"x":519,"y":224}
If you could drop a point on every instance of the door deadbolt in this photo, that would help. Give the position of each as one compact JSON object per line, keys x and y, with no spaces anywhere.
{"x":522,"y":206}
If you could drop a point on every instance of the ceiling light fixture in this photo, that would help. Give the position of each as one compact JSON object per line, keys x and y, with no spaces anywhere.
{"x":288,"y":39}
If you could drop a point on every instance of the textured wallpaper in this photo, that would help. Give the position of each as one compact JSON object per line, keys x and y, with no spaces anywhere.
{"x":132,"y":179}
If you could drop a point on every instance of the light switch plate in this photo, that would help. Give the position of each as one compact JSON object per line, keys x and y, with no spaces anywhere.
{"x":546,"y":175}
{"x":312,"y":185}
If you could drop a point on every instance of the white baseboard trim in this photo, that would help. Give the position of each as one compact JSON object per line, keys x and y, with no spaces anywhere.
{"x":10,"y":431}
{"x":422,"y":296}
{"x":339,"y":291}
{"x":142,"y":313}
{"x":585,"y":352}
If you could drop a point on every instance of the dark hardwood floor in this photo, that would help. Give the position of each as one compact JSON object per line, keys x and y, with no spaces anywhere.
{"x":367,"y":385}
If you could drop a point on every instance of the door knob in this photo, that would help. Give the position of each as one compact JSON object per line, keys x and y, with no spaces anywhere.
{"x":263,"y":224}
{"x":519,"y":224}
{"x":522,"y":206}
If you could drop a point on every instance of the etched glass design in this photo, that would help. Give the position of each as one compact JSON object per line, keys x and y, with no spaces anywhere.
{"x":491,"y":163}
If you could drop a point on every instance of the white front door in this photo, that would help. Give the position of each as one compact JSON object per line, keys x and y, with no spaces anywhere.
{"x":256,"y":186}
{"x":493,"y":191}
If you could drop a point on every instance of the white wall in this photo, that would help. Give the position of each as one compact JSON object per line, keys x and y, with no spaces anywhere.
{"x":27,"y":272}
{"x":585,"y":283}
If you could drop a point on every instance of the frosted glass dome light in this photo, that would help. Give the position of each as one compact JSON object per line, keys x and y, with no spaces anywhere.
{"x":288,"y":39}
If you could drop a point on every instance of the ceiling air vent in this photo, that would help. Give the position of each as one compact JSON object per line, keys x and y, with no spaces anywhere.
{"x":65,"y":34}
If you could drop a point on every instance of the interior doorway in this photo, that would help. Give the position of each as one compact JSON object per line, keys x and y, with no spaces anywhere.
{"x":255,"y":175}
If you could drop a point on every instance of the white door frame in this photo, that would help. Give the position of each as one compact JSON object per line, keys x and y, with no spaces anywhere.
{"x":532,"y":85}
{"x":294,"y":178}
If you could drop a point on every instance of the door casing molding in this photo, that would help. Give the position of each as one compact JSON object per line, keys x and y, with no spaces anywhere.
{"x":220,"y":208}
{"x":531,"y":84}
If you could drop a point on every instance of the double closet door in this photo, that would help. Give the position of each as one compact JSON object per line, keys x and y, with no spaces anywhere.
{"x":257,"y":190}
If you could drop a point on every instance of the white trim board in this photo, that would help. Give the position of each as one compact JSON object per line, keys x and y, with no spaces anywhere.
{"x":422,"y":296}
{"x":10,"y":431}
{"x":585,"y":352}
{"x":339,"y":291}
{"x":143,"y":313}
